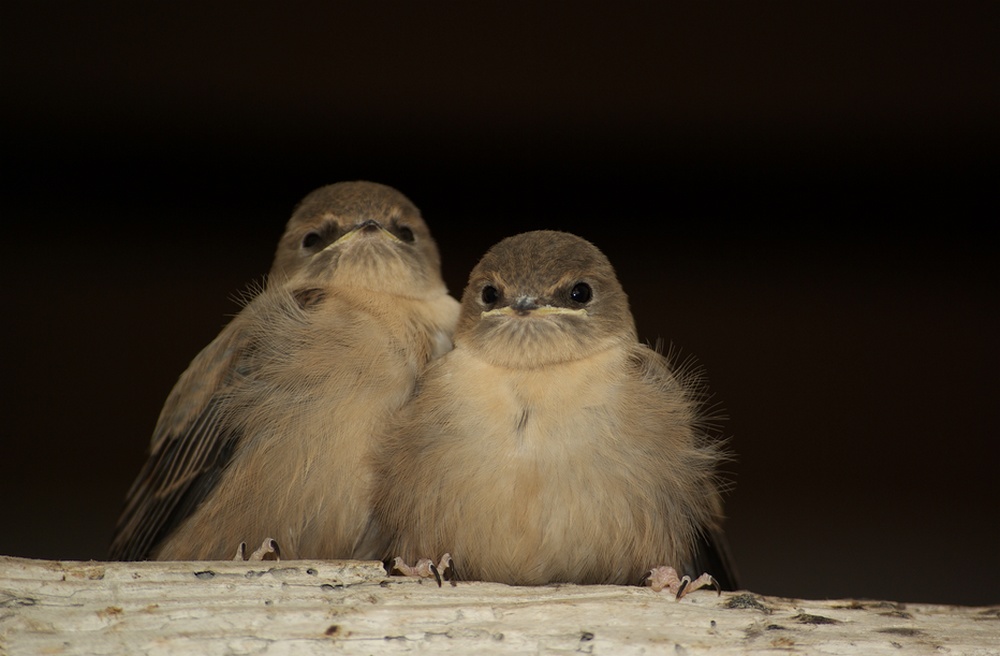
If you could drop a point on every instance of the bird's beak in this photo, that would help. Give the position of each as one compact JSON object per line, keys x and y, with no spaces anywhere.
{"x":369,"y":227}
{"x":524,"y":306}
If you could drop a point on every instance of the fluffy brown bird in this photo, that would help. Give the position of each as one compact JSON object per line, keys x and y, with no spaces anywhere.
{"x":267,"y":434}
{"x":549,"y":445}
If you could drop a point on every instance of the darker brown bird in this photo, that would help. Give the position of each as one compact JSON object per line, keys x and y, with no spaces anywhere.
{"x":268,"y":432}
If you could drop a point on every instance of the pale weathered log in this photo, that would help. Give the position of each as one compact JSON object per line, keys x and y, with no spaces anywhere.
{"x":319,"y":607}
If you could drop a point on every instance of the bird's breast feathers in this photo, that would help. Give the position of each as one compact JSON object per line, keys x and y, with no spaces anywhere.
{"x":539,"y":410}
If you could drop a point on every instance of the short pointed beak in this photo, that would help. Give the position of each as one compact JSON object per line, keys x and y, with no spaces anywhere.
{"x":524,"y":304}
{"x":368,"y":227}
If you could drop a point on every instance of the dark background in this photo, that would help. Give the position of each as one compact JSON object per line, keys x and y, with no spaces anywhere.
{"x":800,"y":195}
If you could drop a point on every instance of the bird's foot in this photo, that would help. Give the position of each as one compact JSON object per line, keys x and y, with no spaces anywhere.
{"x":426,"y":568}
{"x":666,"y":578}
{"x":268,"y":550}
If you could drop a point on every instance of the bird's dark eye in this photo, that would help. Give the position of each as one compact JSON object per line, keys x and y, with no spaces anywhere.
{"x":311,"y":239}
{"x":405,"y":234}
{"x":490,"y":295}
{"x":581,"y":293}
{"x":316,"y":240}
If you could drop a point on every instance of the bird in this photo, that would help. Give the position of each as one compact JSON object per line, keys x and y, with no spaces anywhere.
{"x":265,"y":437}
{"x":550,"y":445}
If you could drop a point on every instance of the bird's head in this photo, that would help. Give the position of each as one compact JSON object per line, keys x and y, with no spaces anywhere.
{"x":543,"y":297}
{"x":359,"y":234}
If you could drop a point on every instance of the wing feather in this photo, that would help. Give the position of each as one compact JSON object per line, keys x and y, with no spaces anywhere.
{"x":192,"y":445}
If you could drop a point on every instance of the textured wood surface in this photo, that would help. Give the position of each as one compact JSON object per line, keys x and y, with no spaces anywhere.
{"x":314,"y":607}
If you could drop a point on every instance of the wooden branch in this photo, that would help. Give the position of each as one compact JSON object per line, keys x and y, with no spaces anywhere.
{"x":318,"y":607}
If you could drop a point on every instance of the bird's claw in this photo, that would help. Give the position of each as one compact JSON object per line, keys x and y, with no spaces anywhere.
{"x":425,"y":568}
{"x":268,"y":550}
{"x":666,"y":578}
